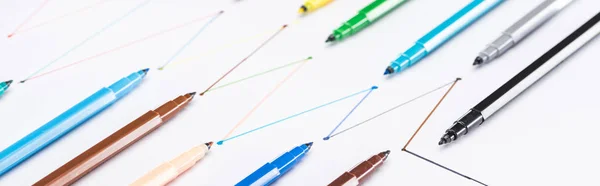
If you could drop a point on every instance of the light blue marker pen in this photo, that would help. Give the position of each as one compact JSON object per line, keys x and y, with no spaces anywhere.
{"x":67,"y":121}
{"x":269,"y":172}
{"x":442,"y":33}
{"x":4,"y":86}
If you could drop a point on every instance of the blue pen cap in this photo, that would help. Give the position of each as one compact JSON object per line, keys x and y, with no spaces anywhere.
{"x":125,"y":85}
{"x":286,"y":161}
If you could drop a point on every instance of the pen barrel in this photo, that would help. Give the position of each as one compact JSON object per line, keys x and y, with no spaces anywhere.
{"x":535,"y":18}
{"x":346,"y":179}
{"x":366,"y":16}
{"x":167,"y":172}
{"x":54,"y":129}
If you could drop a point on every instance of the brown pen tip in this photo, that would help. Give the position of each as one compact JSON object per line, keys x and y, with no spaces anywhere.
{"x":386,"y":154}
{"x":192,"y":94}
{"x":209,"y":144}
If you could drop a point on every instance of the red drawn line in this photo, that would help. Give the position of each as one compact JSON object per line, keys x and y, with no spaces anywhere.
{"x":58,"y":18}
{"x":243,"y":60}
{"x":123,"y":46}
{"x":36,"y":11}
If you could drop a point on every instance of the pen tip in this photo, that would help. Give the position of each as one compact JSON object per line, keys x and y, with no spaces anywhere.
{"x":8,"y":83}
{"x":302,"y":9}
{"x":330,"y":38}
{"x":192,"y":94}
{"x":308,"y":145}
{"x":145,"y":70}
{"x":478,"y":60}
{"x":388,"y":70}
{"x":385,"y":154}
{"x":209,"y":144}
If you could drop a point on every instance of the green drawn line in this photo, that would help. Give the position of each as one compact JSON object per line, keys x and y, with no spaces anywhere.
{"x":259,"y":74}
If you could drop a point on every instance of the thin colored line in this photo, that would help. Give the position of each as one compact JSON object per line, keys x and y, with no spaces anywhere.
{"x":145,"y":2}
{"x":59,"y":17}
{"x":258,"y":74}
{"x":431,"y":113}
{"x":246,"y":58}
{"x":191,"y":39}
{"x":351,"y":111}
{"x":263,"y":100}
{"x":439,"y":165}
{"x":124,"y":46}
{"x":36,"y":11}
{"x":219,"y":48}
{"x":225,"y":46}
{"x":393,"y":108}
{"x":293,"y":116}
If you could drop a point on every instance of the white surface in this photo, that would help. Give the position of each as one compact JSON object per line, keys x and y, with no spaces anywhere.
{"x":544,"y":137}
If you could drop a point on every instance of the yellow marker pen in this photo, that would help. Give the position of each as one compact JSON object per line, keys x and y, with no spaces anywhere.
{"x":312,"y":5}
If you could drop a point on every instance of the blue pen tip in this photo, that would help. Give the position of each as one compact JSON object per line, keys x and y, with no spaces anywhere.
{"x":145,"y":70}
{"x":388,"y":70}
{"x":374,"y":87}
{"x":220,"y":142}
{"x":326,"y":138}
{"x":308,"y":145}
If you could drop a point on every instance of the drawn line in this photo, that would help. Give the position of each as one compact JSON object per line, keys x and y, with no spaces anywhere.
{"x":124,"y":46}
{"x":36,"y":11}
{"x":431,"y":113}
{"x":145,"y":2}
{"x":224,"y":46}
{"x":258,"y":74}
{"x":391,"y":109}
{"x":293,"y":116}
{"x":423,"y":158}
{"x":59,"y":17}
{"x":191,"y":39}
{"x":351,"y":111}
{"x":246,"y":58}
{"x":263,"y":100}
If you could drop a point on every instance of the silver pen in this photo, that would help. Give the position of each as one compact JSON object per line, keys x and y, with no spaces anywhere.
{"x":519,"y":30}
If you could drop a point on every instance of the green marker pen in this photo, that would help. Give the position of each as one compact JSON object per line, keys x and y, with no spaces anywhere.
{"x":364,"y":18}
{"x":4,"y":86}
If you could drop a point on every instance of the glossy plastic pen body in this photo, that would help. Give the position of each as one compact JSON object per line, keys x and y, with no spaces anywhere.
{"x":269,"y":172}
{"x":168,"y":171}
{"x":4,"y":86}
{"x":477,"y":115}
{"x":312,"y":5}
{"x":67,"y":121}
{"x":521,"y":29}
{"x":364,"y":18}
{"x":110,"y":146}
{"x":361,"y":171}
{"x":442,"y":33}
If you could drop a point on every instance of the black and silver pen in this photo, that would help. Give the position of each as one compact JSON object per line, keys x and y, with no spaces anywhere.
{"x":517,"y":84}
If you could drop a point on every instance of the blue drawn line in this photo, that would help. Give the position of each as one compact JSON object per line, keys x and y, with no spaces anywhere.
{"x":191,"y":40}
{"x":89,"y":38}
{"x":292,"y":116}
{"x":346,"y":117}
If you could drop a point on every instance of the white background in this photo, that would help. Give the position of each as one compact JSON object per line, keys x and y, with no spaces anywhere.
{"x":547,"y":136}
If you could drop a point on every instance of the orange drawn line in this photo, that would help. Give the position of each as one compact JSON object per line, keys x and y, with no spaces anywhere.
{"x":36,"y":11}
{"x":122,"y":46}
{"x":263,"y":100}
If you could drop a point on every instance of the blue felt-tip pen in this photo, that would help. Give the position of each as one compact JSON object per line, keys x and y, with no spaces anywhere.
{"x":442,"y":33}
{"x":67,"y":121}
{"x":269,"y":172}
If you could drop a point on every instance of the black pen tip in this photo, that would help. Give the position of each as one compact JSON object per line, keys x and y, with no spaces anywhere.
{"x":478,"y":60}
{"x":309,"y":144}
{"x":192,"y":94}
{"x":303,"y":9}
{"x":8,"y":83}
{"x":330,"y":38}
{"x":209,"y":144}
{"x":441,"y":142}
{"x":388,"y":70}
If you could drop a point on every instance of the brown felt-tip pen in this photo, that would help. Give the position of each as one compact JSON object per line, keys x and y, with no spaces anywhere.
{"x":115,"y":143}
{"x":358,"y":174}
